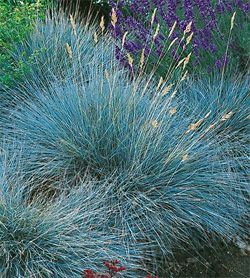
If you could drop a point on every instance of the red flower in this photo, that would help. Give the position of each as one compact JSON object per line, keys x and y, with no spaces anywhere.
{"x":113,"y":267}
{"x":88,"y":273}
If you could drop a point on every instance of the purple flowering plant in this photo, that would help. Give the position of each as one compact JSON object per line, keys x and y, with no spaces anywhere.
{"x":157,"y":29}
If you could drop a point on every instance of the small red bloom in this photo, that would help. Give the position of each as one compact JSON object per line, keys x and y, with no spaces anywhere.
{"x":113,"y":267}
{"x":88,"y":273}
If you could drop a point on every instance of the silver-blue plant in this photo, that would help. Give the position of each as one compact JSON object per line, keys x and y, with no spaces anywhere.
{"x":228,"y":105}
{"x":54,"y":238}
{"x":163,"y":177}
{"x":60,"y":48}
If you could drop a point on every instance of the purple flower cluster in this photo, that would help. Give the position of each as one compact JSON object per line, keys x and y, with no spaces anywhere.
{"x":135,"y":18}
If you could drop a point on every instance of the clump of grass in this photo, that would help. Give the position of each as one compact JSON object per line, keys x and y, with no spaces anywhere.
{"x":91,"y":126}
{"x":163,"y":178}
{"x":228,"y":99}
{"x":228,"y":106}
{"x":59,"y":48}
{"x":58,"y":238}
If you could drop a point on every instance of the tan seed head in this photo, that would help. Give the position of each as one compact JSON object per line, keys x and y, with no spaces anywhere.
{"x":130,"y":60}
{"x":186,"y":60}
{"x":102,"y":24}
{"x":156,"y":31}
{"x":72,"y":23}
{"x":167,"y":89}
{"x":154,"y":123}
{"x":172,"y":111}
{"x":172,"y":29}
{"x":188,"y":28}
{"x":232,"y":21}
{"x":69,"y":50}
{"x":142,"y":58}
{"x":153,"y":16}
{"x":227,"y":116}
{"x":189,"y":38}
{"x":113,"y":17}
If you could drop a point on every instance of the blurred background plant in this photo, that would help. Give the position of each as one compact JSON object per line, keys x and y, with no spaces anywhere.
{"x":156,"y":27}
{"x":93,"y":10}
{"x":16,"y":21}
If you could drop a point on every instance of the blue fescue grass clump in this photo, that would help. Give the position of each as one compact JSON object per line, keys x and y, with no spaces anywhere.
{"x":53,"y":238}
{"x":163,"y":166}
{"x":222,"y":98}
{"x":228,"y":104}
{"x":85,"y":127}
{"x":59,"y":48}
{"x":165,"y":180}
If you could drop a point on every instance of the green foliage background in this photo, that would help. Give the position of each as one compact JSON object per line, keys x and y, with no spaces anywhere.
{"x":16,"y":20}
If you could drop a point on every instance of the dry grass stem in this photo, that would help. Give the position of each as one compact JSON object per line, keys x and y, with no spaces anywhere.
{"x":160,"y":83}
{"x":124,"y":38}
{"x":95,"y":38}
{"x":106,"y":74}
{"x":172,"y":43}
{"x":180,"y":62}
{"x":173,"y":94}
{"x":153,"y":17}
{"x":73,"y":24}
{"x":142,"y":58}
{"x":156,"y":31}
{"x":184,"y":77}
{"x":172,"y":29}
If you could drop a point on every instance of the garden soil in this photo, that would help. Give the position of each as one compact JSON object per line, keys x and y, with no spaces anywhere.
{"x":228,"y":262}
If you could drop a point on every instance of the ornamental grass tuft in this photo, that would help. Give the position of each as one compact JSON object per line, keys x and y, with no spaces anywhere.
{"x":60,"y":47}
{"x":143,"y":166}
{"x":163,"y":177}
{"x":53,"y":238}
{"x":228,"y":104}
